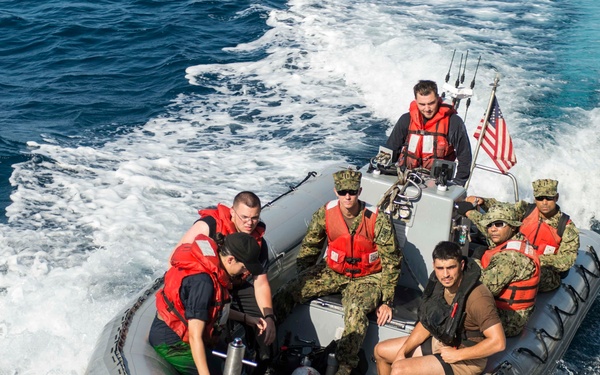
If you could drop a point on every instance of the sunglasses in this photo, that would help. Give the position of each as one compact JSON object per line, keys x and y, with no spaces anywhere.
{"x":545,"y":197}
{"x":497,"y":224}
{"x":343,"y":193}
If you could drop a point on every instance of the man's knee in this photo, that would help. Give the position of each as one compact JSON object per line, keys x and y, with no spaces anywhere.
{"x":376,"y":353}
{"x":400,"y":367}
{"x":388,"y":349}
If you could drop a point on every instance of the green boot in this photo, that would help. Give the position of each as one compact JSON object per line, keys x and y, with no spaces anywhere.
{"x":344,"y":369}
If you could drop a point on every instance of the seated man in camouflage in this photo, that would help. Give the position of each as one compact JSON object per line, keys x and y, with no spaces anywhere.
{"x":551,"y":232}
{"x":362,"y":262}
{"x":510,"y":270}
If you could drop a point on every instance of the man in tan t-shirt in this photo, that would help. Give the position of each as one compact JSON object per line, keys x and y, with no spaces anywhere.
{"x":429,"y":349}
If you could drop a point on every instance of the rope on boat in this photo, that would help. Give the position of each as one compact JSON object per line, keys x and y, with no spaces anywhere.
{"x":540,"y":334}
{"x":398,"y":205}
{"x":126,"y":319}
{"x":395,"y":202}
{"x":292,"y":188}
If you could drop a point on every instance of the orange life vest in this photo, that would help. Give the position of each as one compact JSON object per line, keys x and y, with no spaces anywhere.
{"x":222,"y":215}
{"x":188,"y":259}
{"x":544,"y":238}
{"x":517,"y":295}
{"x":351,"y":254}
{"x":427,"y":141}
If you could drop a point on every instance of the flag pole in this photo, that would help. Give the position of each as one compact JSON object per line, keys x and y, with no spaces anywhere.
{"x":483,"y":127}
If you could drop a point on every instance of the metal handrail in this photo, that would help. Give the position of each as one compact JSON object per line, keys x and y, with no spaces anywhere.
{"x":507,"y":174}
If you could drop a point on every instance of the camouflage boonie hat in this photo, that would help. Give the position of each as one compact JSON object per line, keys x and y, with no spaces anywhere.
{"x":501,"y":212}
{"x":545,"y":188}
{"x":347,"y":180}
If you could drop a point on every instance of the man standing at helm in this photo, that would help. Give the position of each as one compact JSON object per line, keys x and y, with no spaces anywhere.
{"x":251,"y":296}
{"x":550,"y":231}
{"x":431,"y":130}
{"x":362,"y":262}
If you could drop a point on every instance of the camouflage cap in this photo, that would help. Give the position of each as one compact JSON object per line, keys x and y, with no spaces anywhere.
{"x":545,"y":188}
{"x":501,"y":212}
{"x":347,"y":180}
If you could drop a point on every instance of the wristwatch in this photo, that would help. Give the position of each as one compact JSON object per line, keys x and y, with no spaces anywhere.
{"x":390,"y":303}
{"x":272,"y":316}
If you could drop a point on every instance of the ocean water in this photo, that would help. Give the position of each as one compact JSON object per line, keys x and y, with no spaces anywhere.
{"x":119,"y":119}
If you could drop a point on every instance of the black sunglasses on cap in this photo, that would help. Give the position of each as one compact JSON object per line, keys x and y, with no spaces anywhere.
{"x":343,"y":193}
{"x":545,"y":197}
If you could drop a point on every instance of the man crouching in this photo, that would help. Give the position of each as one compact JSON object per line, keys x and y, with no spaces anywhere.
{"x":455,"y":334}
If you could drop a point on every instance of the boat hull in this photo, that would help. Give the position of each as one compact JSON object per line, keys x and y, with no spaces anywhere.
{"x":123,"y":346}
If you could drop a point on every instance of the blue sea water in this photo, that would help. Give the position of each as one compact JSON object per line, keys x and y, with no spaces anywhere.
{"x":119,"y":119}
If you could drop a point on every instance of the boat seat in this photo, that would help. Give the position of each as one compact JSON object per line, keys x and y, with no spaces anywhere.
{"x":406,"y":304}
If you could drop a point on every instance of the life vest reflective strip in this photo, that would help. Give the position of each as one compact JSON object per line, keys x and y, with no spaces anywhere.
{"x":427,"y":142}
{"x":222,"y":216}
{"x":517,"y":295}
{"x":446,"y":322}
{"x":191,"y":259}
{"x":351,"y":254}
{"x":544,"y":238}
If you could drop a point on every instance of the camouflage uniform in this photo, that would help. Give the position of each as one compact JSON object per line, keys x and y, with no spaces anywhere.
{"x":552,"y":264}
{"x":506,"y":267}
{"x":360,"y":295}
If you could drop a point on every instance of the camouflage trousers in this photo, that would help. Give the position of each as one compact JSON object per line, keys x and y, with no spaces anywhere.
{"x":513,"y":322}
{"x":360,"y":296}
{"x":549,"y":279}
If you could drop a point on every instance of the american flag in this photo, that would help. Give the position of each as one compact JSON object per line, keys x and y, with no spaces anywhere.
{"x":496,"y":140}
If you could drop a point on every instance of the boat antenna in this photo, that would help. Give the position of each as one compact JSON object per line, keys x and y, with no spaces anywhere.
{"x":472,"y":86}
{"x":448,"y":74}
{"x":475,"y":75}
{"x":455,"y":100}
{"x":457,"y":90}
{"x":450,"y":67}
{"x":462,"y":76}
{"x":460,"y":64}
{"x":291,"y":189}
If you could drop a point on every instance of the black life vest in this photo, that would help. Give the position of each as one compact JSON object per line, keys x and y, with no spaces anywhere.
{"x":446,"y":322}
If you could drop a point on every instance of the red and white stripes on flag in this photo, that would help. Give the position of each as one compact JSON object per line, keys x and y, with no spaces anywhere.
{"x":496,"y":140}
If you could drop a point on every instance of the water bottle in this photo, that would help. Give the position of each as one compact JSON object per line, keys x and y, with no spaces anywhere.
{"x":462,"y":238}
{"x":235,"y":355}
{"x":332,"y":364}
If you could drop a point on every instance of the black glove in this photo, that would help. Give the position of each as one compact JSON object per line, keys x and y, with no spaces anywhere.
{"x":463,"y":207}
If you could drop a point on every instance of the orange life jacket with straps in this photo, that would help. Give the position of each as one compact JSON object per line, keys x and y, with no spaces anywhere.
{"x":222,"y":215}
{"x":189,"y":259}
{"x":351,"y":254}
{"x":517,"y":295}
{"x":544,"y":238}
{"x":427,"y":141}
